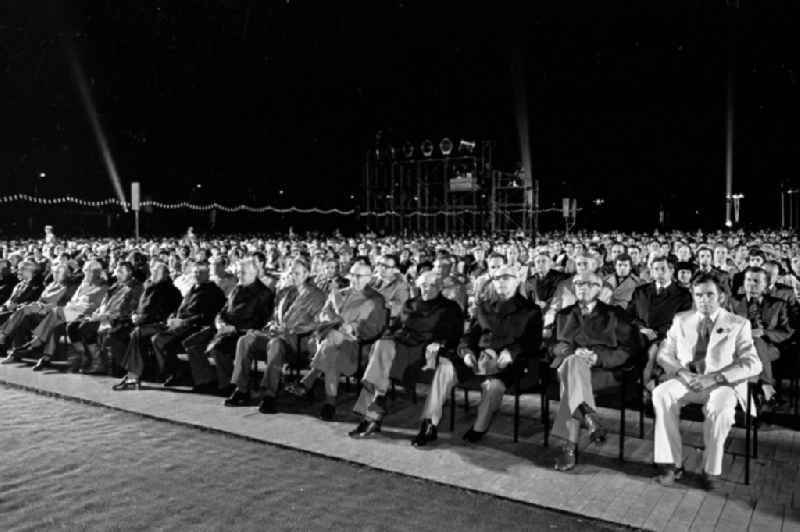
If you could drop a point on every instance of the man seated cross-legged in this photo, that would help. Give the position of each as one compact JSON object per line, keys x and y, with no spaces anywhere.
{"x":589,"y":334}
{"x":351,"y":315}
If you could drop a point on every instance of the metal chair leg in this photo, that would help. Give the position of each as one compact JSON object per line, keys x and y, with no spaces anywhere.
{"x":747,"y":422}
{"x":466,"y":400}
{"x":642,"y":405}
{"x":452,"y":409}
{"x":622,"y":418}
{"x":516,"y":416}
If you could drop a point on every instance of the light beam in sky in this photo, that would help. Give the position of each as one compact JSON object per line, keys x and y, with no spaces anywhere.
{"x":97,"y":129}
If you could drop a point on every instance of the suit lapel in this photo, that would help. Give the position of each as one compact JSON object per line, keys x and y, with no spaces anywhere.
{"x":720,"y":330}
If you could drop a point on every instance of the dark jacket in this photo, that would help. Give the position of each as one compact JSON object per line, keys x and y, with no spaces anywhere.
{"x":25,"y":292}
{"x":515,"y":325}
{"x":607,"y":331}
{"x":7,"y":284}
{"x":422,"y":323}
{"x":201,"y":305}
{"x":248,"y":307}
{"x":771,"y":315}
{"x":655,"y":311}
{"x":121,"y":300}
{"x":542,"y":288}
{"x":158,"y":301}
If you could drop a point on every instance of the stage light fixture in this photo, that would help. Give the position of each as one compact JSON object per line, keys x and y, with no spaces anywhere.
{"x":426,"y":148}
{"x":466,"y":146}
{"x":446,"y":146}
{"x":408,"y":150}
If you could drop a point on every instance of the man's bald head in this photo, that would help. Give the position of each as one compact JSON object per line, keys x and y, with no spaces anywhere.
{"x":429,"y":284}
{"x":360,"y":275}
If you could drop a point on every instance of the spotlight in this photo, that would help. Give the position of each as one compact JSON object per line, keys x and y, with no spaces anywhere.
{"x":408,"y":150}
{"x":426,"y":148}
{"x":466,"y":146}
{"x":446,"y":146}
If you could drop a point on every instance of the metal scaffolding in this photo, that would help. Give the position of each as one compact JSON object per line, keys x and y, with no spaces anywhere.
{"x":428,"y":194}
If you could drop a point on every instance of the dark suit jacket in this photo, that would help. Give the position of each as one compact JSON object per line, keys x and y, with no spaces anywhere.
{"x":515,"y":325}
{"x":607,"y":331}
{"x":542,"y":288}
{"x":774,"y":321}
{"x":652,"y":311}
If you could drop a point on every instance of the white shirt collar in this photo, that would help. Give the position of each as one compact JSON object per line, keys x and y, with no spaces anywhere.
{"x":665,"y":285}
{"x":713,"y":317}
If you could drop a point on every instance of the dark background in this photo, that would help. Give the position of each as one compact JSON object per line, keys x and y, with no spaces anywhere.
{"x":250,"y":97}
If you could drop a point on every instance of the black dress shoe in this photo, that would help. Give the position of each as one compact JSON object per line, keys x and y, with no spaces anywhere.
{"x":175,"y":380}
{"x":709,"y":482}
{"x":267,"y":405}
{"x":473,"y":436}
{"x":127,"y":383}
{"x":597,"y":433}
{"x":360,"y":428}
{"x":669,"y":475}
{"x":42,"y":363}
{"x":427,"y":434}
{"x":373,"y":427}
{"x":567,"y":460}
{"x":328,"y":412}
{"x":238,"y":398}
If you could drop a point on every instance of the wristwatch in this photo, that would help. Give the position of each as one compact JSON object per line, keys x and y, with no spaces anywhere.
{"x":720,"y":379}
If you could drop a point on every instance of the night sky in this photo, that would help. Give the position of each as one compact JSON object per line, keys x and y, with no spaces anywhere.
{"x":250,"y":97}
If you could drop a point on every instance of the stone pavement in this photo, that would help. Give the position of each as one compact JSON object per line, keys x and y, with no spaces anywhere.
{"x":600,"y":487}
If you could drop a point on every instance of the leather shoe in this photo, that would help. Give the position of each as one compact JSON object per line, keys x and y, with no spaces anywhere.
{"x":669,"y":475}
{"x":238,"y":398}
{"x":567,"y":460}
{"x":328,"y":412}
{"x":473,"y":436}
{"x":10,"y":359}
{"x":597,"y":432}
{"x":709,"y":482}
{"x":42,"y":363}
{"x":427,"y":434}
{"x":373,"y":427}
{"x":360,"y":428}
{"x":267,"y":405}
{"x":126,"y":384}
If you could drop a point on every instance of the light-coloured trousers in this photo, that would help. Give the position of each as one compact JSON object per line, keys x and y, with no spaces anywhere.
{"x":719,"y":409}
{"x":444,"y":379}
{"x":575,"y":376}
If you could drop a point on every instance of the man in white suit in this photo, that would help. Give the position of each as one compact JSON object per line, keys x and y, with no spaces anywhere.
{"x":709,"y":356}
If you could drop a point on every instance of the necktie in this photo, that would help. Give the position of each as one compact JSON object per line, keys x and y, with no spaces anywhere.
{"x":703,"y":334}
{"x":754,"y":312}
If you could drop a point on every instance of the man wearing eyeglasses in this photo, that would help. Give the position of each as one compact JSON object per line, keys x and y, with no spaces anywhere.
{"x":391,"y":284}
{"x":351,"y":315}
{"x":589,"y":334}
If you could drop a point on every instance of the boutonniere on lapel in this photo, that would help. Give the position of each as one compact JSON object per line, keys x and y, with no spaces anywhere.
{"x":722,"y":330}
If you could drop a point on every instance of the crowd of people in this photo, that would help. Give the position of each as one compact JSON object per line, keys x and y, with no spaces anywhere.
{"x":700,"y":314}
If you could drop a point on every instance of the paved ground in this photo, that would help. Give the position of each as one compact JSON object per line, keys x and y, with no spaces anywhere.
{"x":71,"y":466}
{"x":600,"y":487}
